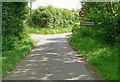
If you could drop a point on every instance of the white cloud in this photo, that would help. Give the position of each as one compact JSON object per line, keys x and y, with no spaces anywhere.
{"x":69,"y":4}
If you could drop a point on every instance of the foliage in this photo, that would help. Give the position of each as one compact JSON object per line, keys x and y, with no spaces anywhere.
{"x":49,"y":17}
{"x":106,"y":26}
{"x":76,"y":27}
{"x":12,"y":18}
{"x":16,"y":43}
{"x":37,"y":30}
{"x":13,"y":32}
{"x":13,"y":57}
{"x":99,"y":44}
{"x":103,"y":57}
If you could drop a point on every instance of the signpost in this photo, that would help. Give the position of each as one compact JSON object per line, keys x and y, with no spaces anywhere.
{"x":82,"y":14}
{"x":86,"y":23}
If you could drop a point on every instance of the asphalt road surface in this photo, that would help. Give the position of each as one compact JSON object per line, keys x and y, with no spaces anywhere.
{"x":52,"y":59}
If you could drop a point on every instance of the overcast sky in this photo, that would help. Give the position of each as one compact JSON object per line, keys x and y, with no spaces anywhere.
{"x":69,"y":4}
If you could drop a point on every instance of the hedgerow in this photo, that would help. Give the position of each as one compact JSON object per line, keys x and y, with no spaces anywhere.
{"x":99,"y":44}
{"x":106,"y":21}
{"x":13,"y":32}
{"x":49,"y":17}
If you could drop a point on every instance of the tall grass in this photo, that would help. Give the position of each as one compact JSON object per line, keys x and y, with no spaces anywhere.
{"x":103,"y":57}
{"x":11,"y":58}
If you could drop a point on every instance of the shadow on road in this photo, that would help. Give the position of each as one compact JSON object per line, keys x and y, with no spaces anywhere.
{"x":54,"y":59}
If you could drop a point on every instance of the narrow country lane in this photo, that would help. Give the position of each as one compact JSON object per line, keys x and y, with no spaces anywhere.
{"x":52,"y":59}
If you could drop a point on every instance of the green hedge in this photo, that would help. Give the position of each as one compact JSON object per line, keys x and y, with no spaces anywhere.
{"x":13,"y":32}
{"x":107,"y":24}
{"x":49,"y":17}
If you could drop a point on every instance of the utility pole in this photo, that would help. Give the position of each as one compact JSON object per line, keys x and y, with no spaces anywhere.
{"x":110,"y":6}
{"x":30,"y":13}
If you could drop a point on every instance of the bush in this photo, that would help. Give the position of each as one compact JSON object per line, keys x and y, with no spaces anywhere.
{"x":76,"y":27}
{"x":13,"y":32}
{"x":82,"y":30}
{"x":49,"y":17}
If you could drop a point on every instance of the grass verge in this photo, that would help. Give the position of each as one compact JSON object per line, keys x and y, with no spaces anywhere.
{"x":11,"y":58}
{"x":103,"y":57}
{"x":38,"y":30}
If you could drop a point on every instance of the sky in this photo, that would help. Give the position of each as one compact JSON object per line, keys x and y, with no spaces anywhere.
{"x":69,"y":4}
